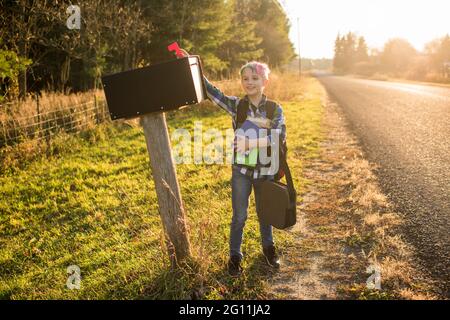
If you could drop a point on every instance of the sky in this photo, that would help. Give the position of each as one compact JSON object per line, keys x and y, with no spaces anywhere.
{"x":418,"y":21}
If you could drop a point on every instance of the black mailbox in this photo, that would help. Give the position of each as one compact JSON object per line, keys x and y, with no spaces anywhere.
{"x":156,"y":88}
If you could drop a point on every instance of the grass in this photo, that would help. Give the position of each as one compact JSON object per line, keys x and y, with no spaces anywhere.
{"x":91,"y":202}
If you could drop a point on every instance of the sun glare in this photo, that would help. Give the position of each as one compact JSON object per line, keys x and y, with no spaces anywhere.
{"x":417,"y":21}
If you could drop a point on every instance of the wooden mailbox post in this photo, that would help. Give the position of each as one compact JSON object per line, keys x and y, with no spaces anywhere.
{"x":166,"y":183}
{"x":147,"y":93}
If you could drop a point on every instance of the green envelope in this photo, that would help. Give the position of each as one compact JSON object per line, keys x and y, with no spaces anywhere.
{"x":249,"y":158}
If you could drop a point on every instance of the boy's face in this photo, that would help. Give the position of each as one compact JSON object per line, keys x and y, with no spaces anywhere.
{"x":252,"y":83}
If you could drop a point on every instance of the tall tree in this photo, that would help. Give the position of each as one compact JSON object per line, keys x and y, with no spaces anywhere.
{"x":338,"y":60}
{"x":361,"y":54}
{"x":111,"y":34}
{"x":241,"y":44}
{"x":397,"y":56}
{"x":273,"y":27}
{"x":444,"y":56}
{"x":349,"y":48}
{"x":23,"y":23}
{"x":198,"y":25}
{"x":10,"y":67}
{"x":438,"y":51}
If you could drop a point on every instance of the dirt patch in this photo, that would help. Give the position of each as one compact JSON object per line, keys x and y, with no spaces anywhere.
{"x":347,"y":235}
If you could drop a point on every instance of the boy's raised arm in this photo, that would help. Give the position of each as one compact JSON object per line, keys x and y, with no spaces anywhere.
{"x":228,"y":103}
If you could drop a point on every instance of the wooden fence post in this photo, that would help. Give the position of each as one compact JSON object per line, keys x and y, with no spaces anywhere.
{"x":38,"y":111}
{"x":170,"y":203}
{"x":97,"y":114}
{"x":5,"y":143}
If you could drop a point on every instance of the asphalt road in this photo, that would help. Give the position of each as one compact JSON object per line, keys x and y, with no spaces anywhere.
{"x":405,"y":130}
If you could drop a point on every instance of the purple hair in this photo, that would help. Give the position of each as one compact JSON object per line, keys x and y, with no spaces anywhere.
{"x":259,"y":68}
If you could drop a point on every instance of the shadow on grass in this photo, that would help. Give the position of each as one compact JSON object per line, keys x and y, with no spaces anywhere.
{"x":251,"y":284}
{"x":190,"y":282}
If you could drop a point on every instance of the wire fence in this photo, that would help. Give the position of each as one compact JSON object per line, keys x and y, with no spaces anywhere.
{"x":14,"y":130}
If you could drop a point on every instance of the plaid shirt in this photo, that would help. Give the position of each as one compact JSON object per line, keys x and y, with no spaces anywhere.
{"x":230,"y":104}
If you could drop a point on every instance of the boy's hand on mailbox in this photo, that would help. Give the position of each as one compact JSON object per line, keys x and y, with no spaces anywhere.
{"x":185,"y":53}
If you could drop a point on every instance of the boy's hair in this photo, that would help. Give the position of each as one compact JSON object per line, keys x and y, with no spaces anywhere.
{"x":258,"y":67}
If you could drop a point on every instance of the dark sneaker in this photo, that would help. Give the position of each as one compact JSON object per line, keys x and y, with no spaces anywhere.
{"x":234,"y":266}
{"x":271,"y":257}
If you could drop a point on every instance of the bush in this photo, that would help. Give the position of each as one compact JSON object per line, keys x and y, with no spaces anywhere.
{"x":365,"y":68}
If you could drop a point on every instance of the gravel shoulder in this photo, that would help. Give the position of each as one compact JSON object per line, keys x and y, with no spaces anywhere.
{"x":345,"y":226}
{"x":403,"y":130}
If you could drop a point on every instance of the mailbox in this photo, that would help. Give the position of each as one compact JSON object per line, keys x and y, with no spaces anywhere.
{"x":156,"y":88}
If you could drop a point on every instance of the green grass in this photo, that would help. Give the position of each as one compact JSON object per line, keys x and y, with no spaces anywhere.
{"x":92,"y":203}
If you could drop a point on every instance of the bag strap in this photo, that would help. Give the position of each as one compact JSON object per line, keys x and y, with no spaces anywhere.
{"x":290,"y":184}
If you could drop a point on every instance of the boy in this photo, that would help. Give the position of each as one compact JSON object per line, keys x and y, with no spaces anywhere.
{"x":254,"y":78}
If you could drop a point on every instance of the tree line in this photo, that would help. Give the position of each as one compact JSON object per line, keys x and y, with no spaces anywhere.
{"x":39,"y":52}
{"x":397,"y":58}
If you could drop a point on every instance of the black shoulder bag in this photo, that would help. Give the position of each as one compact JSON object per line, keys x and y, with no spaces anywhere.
{"x":278,"y":200}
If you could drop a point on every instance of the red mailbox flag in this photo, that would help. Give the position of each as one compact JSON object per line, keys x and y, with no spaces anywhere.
{"x":174,"y":47}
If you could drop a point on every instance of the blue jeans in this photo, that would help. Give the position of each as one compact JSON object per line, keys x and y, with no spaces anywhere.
{"x":241,"y":187}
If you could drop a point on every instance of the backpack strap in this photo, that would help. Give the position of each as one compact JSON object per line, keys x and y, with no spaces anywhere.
{"x":270,"y":109}
{"x":241,"y":113}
